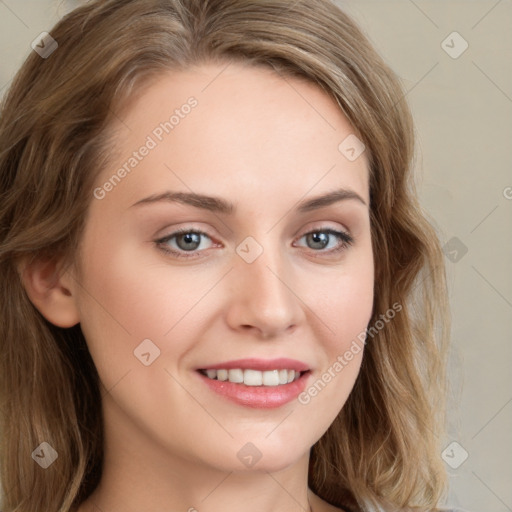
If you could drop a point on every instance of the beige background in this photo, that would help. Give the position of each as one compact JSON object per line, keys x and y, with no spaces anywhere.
{"x":463,"y":112}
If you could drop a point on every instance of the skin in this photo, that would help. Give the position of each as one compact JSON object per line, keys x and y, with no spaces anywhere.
{"x":264,"y":143}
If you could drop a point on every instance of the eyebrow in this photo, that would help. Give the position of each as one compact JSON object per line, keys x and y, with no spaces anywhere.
{"x":219,"y":205}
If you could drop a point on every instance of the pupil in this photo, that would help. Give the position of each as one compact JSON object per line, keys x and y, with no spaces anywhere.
{"x":320,"y":238}
{"x":191,"y":238}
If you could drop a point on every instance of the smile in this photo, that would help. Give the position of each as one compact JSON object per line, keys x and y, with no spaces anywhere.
{"x":250,"y":377}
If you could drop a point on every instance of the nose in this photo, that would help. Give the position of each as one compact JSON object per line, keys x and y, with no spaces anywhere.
{"x":264,"y":300}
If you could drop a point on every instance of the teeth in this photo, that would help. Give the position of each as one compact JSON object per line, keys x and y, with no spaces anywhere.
{"x":236,"y":376}
{"x":221,"y":374}
{"x":254,"y":377}
{"x":271,"y":378}
{"x":212,"y":374}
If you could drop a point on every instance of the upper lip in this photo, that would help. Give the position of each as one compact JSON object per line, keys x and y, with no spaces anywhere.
{"x":281,"y":363}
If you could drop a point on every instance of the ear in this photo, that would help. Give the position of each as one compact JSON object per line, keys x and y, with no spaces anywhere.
{"x":50,"y":288}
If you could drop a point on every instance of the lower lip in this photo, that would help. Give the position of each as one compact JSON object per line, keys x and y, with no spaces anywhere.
{"x":259,"y":397}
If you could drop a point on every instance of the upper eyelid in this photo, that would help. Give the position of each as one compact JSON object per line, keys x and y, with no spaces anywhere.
{"x":322,"y":226}
{"x":193,"y":229}
{"x":346,"y":240}
{"x":185,"y":230}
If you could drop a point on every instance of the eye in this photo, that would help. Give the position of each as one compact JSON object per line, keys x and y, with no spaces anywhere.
{"x":182,"y":241}
{"x":322,"y":238}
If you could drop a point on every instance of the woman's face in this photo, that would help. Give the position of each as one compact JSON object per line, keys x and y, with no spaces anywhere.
{"x":260,"y":273}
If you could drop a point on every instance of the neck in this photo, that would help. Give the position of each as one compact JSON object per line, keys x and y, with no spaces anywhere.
{"x":139,"y":475}
{"x":200,"y":490}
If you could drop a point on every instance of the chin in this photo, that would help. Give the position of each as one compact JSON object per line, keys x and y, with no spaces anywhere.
{"x":262,"y":455}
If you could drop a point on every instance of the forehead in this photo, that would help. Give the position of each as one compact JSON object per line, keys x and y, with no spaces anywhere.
{"x":233,"y":129}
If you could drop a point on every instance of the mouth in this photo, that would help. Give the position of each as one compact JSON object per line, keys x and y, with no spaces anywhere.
{"x":257,"y":383}
{"x":251,"y":377}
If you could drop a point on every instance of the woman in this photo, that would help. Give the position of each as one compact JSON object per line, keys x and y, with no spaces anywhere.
{"x":220,"y":289}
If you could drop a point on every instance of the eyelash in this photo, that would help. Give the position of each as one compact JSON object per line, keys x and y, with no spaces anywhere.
{"x":346,"y":241}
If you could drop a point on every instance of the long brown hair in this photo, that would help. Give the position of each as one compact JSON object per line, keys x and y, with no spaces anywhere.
{"x":382,"y":449}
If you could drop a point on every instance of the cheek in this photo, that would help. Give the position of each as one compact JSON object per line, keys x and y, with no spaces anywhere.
{"x":122,"y":291}
{"x":127,"y":298}
{"x":346,"y":307}
{"x":349,"y":314}
{"x":120,"y":305}
{"x":345,"y":311}
{"x":348,"y":311}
